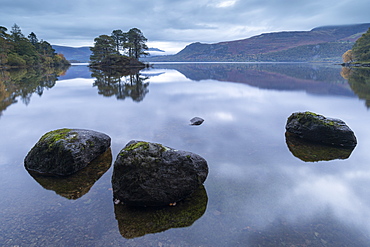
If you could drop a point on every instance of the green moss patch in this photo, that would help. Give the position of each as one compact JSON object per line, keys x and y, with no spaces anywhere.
{"x":310,"y":117}
{"x":56,"y":135}
{"x":52,"y":137}
{"x":144,"y":145}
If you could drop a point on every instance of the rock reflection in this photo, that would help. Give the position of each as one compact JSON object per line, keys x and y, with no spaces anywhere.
{"x":79,"y":183}
{"x":359,"y":80}
{"x":135,"y":222}
{"x":128,"y":83}
{"x":23,"y":83}
{"x":313,"y":152}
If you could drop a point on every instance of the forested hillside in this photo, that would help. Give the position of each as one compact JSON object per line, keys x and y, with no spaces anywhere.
{"x":19,"y":51}
{"x":361,"y":49}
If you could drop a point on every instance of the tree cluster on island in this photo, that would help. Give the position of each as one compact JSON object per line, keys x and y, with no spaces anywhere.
{"x":359,"y":55}
{"x":119,"y":50}
{"x":19,"y":51}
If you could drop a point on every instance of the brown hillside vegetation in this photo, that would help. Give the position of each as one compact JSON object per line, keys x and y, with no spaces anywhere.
{"x":322,"y":43}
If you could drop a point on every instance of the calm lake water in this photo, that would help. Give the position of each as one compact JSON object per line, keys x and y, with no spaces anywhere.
{"x":262,"y":190}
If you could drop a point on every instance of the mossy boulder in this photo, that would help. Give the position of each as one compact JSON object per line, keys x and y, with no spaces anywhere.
{"x":317,"y":128}
{"x":63,"y":152}
{"x":150,"y":174}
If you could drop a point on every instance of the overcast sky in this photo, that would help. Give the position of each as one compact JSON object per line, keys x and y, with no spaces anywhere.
{"x":172,"y":24}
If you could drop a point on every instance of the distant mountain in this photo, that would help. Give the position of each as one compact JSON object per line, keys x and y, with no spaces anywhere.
{"x":72,"y":54}
{"x":155,"y":49}
{"x":82,"y":54}
{"x":320,"y":44}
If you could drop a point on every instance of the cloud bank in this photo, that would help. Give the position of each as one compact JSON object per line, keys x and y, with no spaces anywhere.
{"x":173,"y":24}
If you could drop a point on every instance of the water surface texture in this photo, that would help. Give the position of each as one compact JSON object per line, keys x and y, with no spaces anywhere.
{"x":258,"y":192}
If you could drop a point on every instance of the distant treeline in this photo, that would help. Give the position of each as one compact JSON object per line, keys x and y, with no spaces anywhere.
{"x":18,"y":51}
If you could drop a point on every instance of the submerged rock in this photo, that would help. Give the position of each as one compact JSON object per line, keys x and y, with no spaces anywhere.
{"x":196,"y":121}
{"x":317,"y":128}
{"x":150,"y":174}
{"x":63,"y":152}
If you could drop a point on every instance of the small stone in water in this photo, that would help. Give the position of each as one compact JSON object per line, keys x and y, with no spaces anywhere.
{"x":196,"y":121}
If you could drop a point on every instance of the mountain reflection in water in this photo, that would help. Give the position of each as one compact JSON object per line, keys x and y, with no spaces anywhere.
{"x":306,"y":77}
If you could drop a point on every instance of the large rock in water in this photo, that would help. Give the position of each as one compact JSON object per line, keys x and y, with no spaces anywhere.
{"x":317,"y":128}
{"x":63,"y":152}
{"x":150,"y":174}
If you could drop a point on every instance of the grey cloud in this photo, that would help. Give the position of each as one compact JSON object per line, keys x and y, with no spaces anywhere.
{"x":185,"y":21}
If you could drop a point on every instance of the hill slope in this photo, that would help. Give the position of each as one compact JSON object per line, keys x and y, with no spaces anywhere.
{"x":319,"y":44}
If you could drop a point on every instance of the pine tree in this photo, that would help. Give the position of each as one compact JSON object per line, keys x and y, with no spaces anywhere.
{"x":119,"y":38}
{"x":33,"y":39}
{"x":104,"y":47}
{"x":136,"y":43}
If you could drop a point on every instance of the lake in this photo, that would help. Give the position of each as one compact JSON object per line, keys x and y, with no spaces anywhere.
{"x":262,"y":189}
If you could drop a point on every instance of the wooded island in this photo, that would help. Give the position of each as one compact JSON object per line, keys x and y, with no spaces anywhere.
{"x":118,"y":50}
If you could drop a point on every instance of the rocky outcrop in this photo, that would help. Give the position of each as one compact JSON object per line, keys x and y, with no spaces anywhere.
{"x":150,"y":174}
{"x":317,"y":128}
{"x":63,"y":152}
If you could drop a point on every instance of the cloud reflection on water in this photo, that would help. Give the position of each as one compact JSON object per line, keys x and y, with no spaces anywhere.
{"x":254,"y":180}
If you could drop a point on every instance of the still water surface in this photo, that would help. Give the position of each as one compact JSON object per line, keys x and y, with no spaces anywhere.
{"x":258,"y":193}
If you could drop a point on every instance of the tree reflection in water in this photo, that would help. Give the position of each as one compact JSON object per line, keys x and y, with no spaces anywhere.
{"x":121,"y":83}
{"x":359,"y":80}
{"x":22,"y":83}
